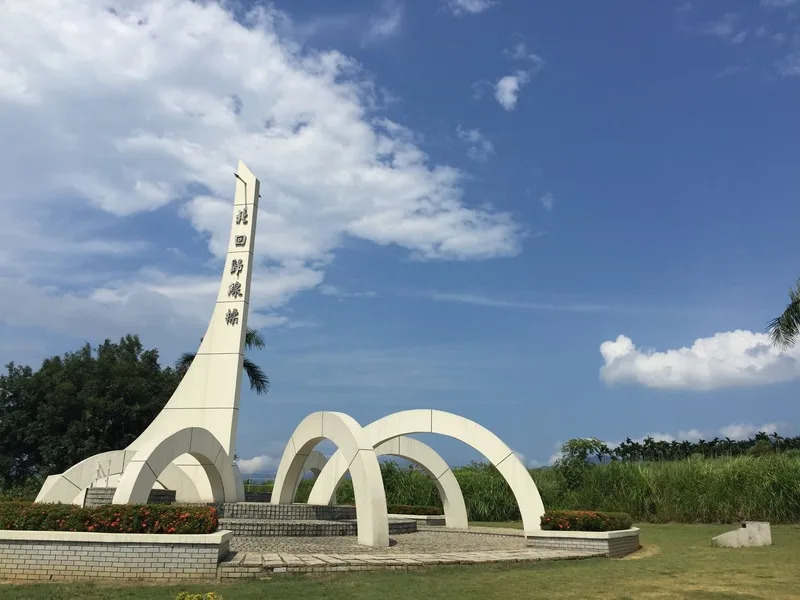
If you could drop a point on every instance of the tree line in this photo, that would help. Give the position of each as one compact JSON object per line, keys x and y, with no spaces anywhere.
{"x":86,"y":402}
{"x":651,"y":450}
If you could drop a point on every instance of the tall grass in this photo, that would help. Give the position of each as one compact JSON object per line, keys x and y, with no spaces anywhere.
{"x":699,"y":490}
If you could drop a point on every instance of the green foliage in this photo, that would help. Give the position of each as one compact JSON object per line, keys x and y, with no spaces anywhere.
{"x":785,"y":328}
{"x":190,"y":596}
{"x":251,"y":485}
{"x":760,"y":448}
{"x":574,"y":461}
{"x":406,"y":509}
{"x":110,"y":518}
{"x":585,"y":520}
{"x":77,"y":405}
{"x":698,"y":490}
{"x":650,"y":449}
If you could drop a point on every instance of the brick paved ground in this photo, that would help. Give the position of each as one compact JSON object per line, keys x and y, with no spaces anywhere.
{"x":427,"y":539}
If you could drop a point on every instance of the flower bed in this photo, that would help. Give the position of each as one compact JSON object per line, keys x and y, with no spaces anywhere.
{"x":602,"y":533}
{"x":585,"y":520}
{"x":110,"y":518}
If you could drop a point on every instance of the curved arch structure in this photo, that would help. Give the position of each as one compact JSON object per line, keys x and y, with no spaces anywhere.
{"x":152,"y":458}
{"x":315,"y":463}
{"x":444,"y":423}
{"x":207,"y":397}
{"x":105,"y":469}
{"x":455,"y":510}
{"x":356,"y":453}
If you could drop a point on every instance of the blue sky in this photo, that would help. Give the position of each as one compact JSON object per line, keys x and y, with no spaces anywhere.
{"x":557,"y":219}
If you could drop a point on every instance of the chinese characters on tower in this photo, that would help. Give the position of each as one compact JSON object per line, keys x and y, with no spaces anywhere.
{"x":235,"y":289}
{"x":237,"y":265}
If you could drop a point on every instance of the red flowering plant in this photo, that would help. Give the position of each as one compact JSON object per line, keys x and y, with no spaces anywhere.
{"x":109,"y":518}
{"x":585,"y":520}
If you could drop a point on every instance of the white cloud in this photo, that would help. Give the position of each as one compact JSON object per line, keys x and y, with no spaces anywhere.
{"x":493,"y":302}
{"x":461,"y":7}
{"x":743,"y":431}
{"x":387,"y":24}
{"x":778,"y":3}
{"x":726,"y":28}
{"x":332,"y":290}
{"x":548,"y":201}
{"x":519,"y":51}
{"x":479,"y":148}
{"x":258,"y":464}
{"x":506,"y":90}
{"x":157,"y":104}
{"x":730,"y":359}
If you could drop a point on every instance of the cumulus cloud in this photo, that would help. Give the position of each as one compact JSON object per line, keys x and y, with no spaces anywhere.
{"x":479,"y":148}
{"x":462,"y":7}
{"x":118,"y":111}
{"x":743,"y":431}
{"x":258,"y":464}
{"x":729,"y":359}
{"x":506,"y":90}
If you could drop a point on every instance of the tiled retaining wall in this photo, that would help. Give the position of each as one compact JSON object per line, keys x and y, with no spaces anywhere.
{"x":286,"y":512}
{"x":37,"y":555}
{"x":265,"y":528}
{"x":611,"y":543}
{"x":257,"y":496}
{"x":98,"y":496}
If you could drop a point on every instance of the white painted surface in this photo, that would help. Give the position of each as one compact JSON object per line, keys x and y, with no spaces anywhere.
{"x":206,"y":399}
{"x":443,"y":423}
{"x":357,"y":452}
{"x":584,"y":535}
{"x":751,"y":535}
{"x":115,"y":538}
{"x":455,"y":510}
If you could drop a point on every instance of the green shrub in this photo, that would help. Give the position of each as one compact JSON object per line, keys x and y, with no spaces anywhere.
{"x":407,"y":509}
{"x":585,"y":520}
{"x":110,"y":518}
{"x":696,"y":490}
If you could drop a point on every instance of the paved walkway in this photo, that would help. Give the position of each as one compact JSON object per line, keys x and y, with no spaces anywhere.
{"x":255,"y":564}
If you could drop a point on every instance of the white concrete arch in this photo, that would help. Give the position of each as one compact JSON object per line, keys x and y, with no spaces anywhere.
{"x":315,"y":463}
{"x":443,"y":423}
{"x":455,"y":510}
{"x":356,"y":452}
{"x":104,"y":470}
{"x":152,"y":458}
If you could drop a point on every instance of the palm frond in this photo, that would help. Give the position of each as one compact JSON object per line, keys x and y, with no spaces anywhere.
{"x":254,"y":340}
{"x":259,"y":382}
{"x":183,"y":363}
{"x":784,"y":329}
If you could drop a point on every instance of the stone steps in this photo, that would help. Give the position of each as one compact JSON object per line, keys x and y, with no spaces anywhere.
{"x":286,"y":512}
{"x":305,"y":528}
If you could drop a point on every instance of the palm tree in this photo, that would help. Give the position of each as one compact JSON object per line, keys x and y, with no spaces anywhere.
{"x":784,"y":329}
{"x":259,"y":382}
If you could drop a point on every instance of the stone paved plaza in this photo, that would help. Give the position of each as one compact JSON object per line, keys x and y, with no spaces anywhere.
{"x":256,"y":564}
{"x":427,"y":540}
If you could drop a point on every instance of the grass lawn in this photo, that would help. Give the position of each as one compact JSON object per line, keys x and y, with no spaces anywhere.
{"x":677,"y":561}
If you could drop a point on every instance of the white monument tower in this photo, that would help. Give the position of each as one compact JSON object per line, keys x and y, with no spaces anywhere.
{"x":191,"y":444}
